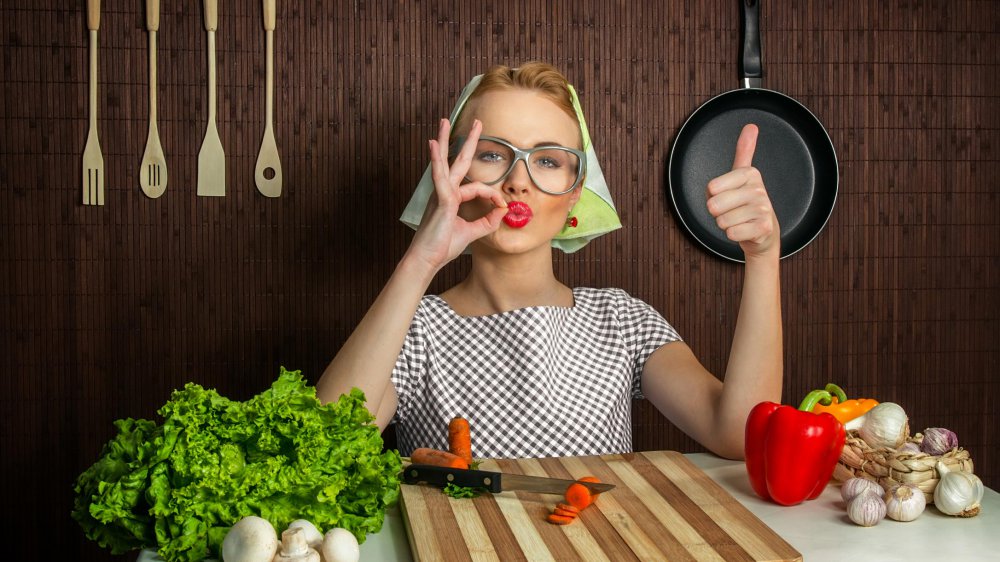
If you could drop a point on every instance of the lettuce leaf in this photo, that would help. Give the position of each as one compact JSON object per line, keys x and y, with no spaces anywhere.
{"x":179,"y":487}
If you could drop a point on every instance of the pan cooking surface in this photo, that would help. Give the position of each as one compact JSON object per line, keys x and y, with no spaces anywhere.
{"x":793,"y":154}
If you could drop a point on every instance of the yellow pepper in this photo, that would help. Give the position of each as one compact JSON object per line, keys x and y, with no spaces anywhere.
{"x":843,"y":409}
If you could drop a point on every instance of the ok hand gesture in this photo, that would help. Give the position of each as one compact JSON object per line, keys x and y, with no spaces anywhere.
{"x":443,"y":234}
{"x":740,"y":205}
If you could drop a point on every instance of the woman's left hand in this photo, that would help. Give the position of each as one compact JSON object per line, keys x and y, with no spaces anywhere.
{"x":740,"y":205}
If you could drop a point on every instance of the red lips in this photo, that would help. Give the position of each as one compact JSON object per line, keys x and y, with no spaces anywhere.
{"x":518,"y":214}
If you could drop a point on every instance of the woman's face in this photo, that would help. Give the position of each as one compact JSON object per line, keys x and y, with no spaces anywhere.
{"x":525,"y":119}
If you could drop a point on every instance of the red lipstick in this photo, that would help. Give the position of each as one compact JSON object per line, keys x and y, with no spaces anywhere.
{"x":518,"y":214}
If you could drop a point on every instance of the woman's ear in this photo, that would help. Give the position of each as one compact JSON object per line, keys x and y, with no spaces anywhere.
{"x":574,"y":197}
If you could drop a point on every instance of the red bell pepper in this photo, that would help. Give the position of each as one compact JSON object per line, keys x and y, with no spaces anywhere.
{"x":791,"y":454}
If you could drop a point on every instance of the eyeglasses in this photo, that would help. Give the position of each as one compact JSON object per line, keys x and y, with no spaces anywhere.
{"x":553,"y":169}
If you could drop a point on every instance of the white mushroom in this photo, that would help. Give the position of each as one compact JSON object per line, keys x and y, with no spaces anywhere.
{"x":340,"y":545}
{"x":294,"y":547}
{"x":313,"y":537}
{"x":251,"y":539}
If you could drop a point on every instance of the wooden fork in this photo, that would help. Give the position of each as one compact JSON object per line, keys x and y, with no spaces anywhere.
{"x":93,"y":160}
{"x":153,"y":170}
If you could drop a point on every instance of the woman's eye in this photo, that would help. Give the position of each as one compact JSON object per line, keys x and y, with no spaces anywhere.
{"x":547,"y":162}
{"x":489,"y":156}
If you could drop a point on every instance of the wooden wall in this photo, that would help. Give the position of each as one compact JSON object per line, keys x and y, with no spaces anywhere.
{"x":105,"y":310}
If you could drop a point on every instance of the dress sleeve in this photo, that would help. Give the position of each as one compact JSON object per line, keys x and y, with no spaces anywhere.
{"x":407,"y":374}
{"x":644,"y":331}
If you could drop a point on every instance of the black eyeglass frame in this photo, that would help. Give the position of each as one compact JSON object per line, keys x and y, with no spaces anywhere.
{"x":523,"y":154}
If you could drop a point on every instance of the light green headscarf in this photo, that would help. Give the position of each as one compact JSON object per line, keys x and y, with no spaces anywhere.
{"x":595,"y":211}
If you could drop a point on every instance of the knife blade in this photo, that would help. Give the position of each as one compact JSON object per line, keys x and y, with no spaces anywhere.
{"x":495,"y":482}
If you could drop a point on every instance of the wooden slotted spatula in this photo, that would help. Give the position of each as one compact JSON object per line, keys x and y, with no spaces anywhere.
{"x":211,"y":158}
{"x":268,"y":161}
{"x":93,"y":159}
{"x":153,"y":170}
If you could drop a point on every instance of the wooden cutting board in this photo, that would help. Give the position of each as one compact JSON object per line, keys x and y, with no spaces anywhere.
{"x":663,"y":508}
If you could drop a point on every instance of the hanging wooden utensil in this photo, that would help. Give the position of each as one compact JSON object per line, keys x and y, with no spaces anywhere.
{"x":153,"y":170}
{"x":211,"y":158}
{"x":268,"y":161}
{"x":93,"y":159}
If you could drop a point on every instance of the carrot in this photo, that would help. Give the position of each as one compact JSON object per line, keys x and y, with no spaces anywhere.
{"x":436,"y":457}
{"x":566,"y":513}
{"x":559,"y":519}
{"x":567,"y":507}
{"x":460,"y":439}
{"x":578,"y":495}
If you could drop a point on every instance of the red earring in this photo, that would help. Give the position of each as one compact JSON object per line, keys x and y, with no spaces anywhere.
{"x":571,"y":222}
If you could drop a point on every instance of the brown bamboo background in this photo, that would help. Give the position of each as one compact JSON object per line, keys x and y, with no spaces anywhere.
{"x":105,"y":310}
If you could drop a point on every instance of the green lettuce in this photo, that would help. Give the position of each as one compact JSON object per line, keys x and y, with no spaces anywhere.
{"x":179,"y":486}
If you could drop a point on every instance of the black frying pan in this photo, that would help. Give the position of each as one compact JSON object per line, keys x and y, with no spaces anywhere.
{"x":794,"y":155}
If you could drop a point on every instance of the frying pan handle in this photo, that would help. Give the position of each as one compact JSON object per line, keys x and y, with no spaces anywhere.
{"x":750,"y":60}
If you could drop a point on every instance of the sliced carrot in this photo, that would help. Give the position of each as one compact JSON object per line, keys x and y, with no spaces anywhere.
{"x":578,"y":496}
{"x":559,"y":519}
{"x":567,"y":507}
{"x":566,"y":513}
{"x":436,"y":457}
{"x":460,"y":439}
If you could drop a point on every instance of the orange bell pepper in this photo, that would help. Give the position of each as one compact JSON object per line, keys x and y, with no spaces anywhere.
{"x":841,"y":408}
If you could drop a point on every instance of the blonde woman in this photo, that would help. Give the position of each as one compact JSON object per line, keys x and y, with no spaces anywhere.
{"x":539,"y":368}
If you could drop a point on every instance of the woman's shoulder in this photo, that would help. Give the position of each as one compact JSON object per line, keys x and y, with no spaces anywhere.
{"x":605,"y":295}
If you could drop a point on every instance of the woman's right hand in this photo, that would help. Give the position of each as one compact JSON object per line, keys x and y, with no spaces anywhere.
{"x":443,"y":234}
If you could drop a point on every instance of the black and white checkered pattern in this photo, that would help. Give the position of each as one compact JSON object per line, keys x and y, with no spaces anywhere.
{"x":535,"y":382}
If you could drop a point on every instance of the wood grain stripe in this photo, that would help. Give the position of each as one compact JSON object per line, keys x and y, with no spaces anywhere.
{"x":691,"y":512}
{"x":613,"y":544}
{"x":519,"y":521}
{"x":443,"y":519}
{"x":688,"y":536}
{"x":751,"y":524}
{"x":671,"y":546}
{"x":477,"y":538}
{"x":538,"y":507}
{"x":419,"y":525}
{"x":501,"y":535}
{"x":638,"y":526}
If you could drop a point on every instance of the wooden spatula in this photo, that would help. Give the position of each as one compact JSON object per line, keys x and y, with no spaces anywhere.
{"x":211,"y":158}
{"x":268,"y":161}
{"x":153,"y":170}
{"x":93,"y":159}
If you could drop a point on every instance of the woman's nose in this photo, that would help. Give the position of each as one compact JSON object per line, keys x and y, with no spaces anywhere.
{"x":518,"y":181}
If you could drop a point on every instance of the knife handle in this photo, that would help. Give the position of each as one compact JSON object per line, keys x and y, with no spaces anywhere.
{"x":153,"y":15}
{"x":442,"y":476}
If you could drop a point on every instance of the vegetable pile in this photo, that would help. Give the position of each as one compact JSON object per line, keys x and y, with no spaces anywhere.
{"x":179,"y":486}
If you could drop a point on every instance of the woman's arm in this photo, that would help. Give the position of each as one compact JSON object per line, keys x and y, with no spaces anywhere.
{"x":368,"y":356}
{"x":710,"y":411}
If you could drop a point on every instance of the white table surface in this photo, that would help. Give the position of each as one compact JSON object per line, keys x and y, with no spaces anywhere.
{"x":819,"y":529}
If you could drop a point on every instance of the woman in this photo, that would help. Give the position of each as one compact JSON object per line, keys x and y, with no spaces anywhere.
{"x":537,"y":368}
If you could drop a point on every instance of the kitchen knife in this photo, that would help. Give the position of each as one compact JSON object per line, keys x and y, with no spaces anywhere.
{"x":495,"y":482}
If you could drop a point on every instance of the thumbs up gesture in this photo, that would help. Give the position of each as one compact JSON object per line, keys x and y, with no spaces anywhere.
{"x":740,"y":205}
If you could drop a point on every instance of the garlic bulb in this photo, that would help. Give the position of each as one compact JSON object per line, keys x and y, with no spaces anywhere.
{"x":855,"y":486}
{"x":958,"y":493}
{"x":938,"y":441}
{"x":885,"y":426}
{"x":909,"y":448}
{"x":904,"y":502}
{"x":866,"y":509}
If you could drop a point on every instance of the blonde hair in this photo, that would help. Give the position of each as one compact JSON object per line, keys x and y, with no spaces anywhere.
{"x":533,"y":75}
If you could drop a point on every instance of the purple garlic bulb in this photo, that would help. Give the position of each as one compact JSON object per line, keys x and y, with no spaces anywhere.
{"x":938,"y":441}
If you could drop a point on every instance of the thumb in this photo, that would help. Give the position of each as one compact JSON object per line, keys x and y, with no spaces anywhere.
{"x":745,"y":147}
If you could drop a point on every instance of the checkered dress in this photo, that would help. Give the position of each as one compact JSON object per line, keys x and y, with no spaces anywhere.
{"x":535,"y":382}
